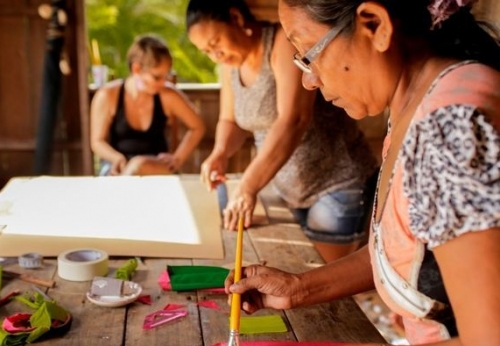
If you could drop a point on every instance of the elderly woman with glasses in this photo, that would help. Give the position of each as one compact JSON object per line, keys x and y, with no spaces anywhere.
{"x":314,"y":154}
{"x":434,"y":248}
{"x":129,"y":117}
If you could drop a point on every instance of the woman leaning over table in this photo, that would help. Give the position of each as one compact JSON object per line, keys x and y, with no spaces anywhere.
{"x":434,"y":250}
{"x":129,"y":116}
{"x":314,"y":154}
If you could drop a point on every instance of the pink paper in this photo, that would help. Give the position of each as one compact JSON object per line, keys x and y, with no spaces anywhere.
{"x":164,"y":281}
{"x":158,"y":318}
{"x":17,"y":323}
{"x":169,"y":313}
{"x":289,"y":343}
{"x":170,"y":307}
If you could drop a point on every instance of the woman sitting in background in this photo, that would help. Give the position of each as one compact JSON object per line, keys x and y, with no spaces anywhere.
{"x":129,"y":117}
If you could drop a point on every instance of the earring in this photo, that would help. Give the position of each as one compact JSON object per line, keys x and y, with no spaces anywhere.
{"x":248,"y":32}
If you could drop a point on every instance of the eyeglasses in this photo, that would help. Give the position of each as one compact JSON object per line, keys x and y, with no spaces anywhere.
{"x":304,"y":63}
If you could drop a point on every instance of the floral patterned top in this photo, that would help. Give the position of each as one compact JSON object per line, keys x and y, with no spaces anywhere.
{"x":445,"y":183}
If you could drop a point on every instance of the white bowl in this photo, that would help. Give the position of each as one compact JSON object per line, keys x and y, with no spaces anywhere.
{"x":117,"y":301}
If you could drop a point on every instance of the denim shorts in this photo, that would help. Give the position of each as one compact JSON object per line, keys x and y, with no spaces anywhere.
{"x":339,"y":217}
{"x":105,"y":168}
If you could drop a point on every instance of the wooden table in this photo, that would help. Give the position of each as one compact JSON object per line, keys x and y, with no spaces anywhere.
{"x":276,"y":239}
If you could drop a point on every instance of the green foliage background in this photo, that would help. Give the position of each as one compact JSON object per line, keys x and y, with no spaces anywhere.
{"x":115,"y":24}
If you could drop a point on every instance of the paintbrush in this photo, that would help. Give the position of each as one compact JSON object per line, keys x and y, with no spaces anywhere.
{"x":234,"y":320}
{"x":29,"y":278}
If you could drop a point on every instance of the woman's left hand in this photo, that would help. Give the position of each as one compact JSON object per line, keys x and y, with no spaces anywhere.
{"x":241,"y":204}
{"x":169,"y":159}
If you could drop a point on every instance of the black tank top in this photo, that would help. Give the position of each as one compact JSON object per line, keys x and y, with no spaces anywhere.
{"x":132,"y":142}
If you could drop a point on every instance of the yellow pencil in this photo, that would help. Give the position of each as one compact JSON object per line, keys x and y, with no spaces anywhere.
{"x":234,"y":321}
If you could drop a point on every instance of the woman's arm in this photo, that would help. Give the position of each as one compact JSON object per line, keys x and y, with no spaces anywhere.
{"x":101,"y":117}
{"x":179,"y":106}
{"x":470,"y":266}
{"x":265,"y":287}
{"x":229,"y":137}
{"x":295,"y":110}
{"x":344,"y":277}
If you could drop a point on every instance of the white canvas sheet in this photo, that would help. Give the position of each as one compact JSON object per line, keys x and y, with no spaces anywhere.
{"x":143,"y":209}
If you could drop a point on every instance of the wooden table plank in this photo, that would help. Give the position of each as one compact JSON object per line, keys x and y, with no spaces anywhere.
{"x":92,"y":325}
{"x":184,"y":331}
{"x":287,"y":248}
{"x":215,"y":324}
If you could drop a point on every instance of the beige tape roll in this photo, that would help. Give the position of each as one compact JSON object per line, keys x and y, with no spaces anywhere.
{"x":82,"y":264}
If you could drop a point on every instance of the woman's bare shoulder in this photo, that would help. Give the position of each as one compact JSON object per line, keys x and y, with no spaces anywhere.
{"x":280,"y":36}
{"x":112,"y":86}
{"x":170,"y":91}
{"x":282,"y":47}
{"x":169,"y":87}
{"x":107,"y":95}
{"x":109,"y":90}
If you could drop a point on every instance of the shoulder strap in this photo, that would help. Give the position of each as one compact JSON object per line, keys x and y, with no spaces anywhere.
{"x":268,"y":36}
{"x":158,"y":107}
{"x":119,"y":105}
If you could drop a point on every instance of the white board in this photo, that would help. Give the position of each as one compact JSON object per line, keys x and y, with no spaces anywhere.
{"x":155,"y":216}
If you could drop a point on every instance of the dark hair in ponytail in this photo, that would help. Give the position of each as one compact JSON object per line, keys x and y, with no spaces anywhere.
{"x":217,"y":10}
{"x":460,"y":36}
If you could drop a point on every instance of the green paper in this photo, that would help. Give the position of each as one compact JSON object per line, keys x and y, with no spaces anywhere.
{"x":262,"y":324}
{"x":188,"y":278}
{"x":126,"y":271}
{"x":7,"y":339}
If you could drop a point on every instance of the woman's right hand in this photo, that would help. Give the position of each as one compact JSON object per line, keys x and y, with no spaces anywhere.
{"x":213,"y":171}
{"x":264,"y":287}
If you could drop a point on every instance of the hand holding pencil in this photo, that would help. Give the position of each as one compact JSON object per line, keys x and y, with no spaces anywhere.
{"x":234,"y":321}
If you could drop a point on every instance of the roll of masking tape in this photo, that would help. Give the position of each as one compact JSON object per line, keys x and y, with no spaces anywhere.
{"x":30,"y":260}
{"x":82,"y":264}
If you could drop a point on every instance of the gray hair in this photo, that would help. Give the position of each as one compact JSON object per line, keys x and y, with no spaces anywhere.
{"x":460,"y":36}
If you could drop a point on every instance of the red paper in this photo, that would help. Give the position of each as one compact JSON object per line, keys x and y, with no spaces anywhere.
{"x":214,"y":290}
{"x":289,"y":343}
{"x":210,"y":304}
{"x":145,"y":299}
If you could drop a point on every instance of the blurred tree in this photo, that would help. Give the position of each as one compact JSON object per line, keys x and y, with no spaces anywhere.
{"x":115,"y":24}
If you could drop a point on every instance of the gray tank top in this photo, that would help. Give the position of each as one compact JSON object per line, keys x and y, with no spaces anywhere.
{"x":333,"y":153}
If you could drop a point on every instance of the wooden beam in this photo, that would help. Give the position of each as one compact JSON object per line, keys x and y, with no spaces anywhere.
{"x":29,"y":145}
{"x":83,"y":95}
